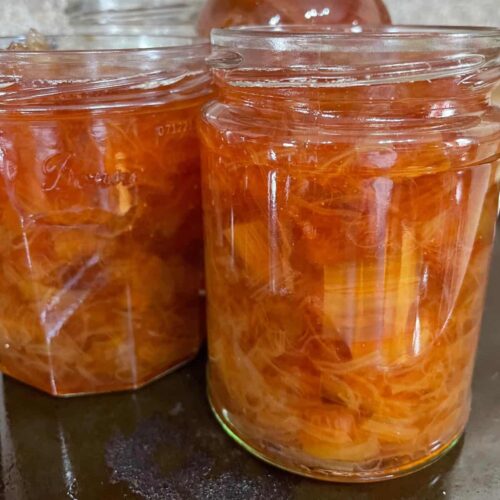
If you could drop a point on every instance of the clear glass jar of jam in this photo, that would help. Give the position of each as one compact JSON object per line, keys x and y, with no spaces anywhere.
{"x":100,"y":210}
{"x":226,"y":13}
{"x":141,"y":17}
{"x":351,"y":183}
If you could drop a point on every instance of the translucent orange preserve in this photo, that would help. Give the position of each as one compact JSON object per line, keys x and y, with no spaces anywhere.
{"x":349,"y":229}
{"x":100,"y":218}
{"x":225,"y":13}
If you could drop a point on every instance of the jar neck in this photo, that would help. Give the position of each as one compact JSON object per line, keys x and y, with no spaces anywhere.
{"x":133,"y":12}
{"x":426,"y":101}
{"x":105,"y":79}
{"x":370,"y":74}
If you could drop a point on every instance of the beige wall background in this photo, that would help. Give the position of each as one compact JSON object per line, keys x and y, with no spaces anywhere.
{"x":457,"y":12}
{"x":47,"y":15}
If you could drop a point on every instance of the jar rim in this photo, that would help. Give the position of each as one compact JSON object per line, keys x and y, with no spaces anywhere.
{"x":34,"y":81}
{"x":133,"y":29}
{"x":353,"y":38}
{"x":87,"y":6}
{"x":95,"y":44}
{"x":347,"y":55}
{"x":125,"y":11}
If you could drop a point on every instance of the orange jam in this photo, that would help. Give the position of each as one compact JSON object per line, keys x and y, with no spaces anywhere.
{"x":225,"y":13}
{"x":349,"y":218}
{"x":100,"y":217}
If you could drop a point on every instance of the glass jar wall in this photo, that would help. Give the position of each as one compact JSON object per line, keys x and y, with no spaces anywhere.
{"x":350,"y":204}
{"x":100,"y":225}
{"x":225,"y":13}
{"x":141,"y":17}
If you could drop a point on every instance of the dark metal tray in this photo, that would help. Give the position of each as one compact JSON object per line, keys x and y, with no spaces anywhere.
{"x":163,"y":443}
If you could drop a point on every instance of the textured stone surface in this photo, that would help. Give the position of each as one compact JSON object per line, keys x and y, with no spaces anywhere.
{"x":19,"y":15}
{"x":47,"y":15}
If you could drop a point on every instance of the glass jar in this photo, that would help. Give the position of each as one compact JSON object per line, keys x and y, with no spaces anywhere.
{"x":149,"y":17}
{"x":225,"y":13}
{"x":351,"y":184}
{"x":100,"y":225}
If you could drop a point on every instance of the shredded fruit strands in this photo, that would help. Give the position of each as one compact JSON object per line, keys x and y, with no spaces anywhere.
{"x":34,"y":41}
{"x":100,"y":243}
{"x":362,"y":362}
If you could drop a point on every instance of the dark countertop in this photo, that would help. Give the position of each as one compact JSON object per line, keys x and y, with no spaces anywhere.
{"x":162,"y":443}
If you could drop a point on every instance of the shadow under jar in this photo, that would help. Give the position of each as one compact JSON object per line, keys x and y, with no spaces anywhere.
{"x":100,"y":211}
{"x":351,"y":187}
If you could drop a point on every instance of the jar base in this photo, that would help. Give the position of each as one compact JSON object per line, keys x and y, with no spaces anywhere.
{"x":332,"y":475}
{"x":107,"y":390}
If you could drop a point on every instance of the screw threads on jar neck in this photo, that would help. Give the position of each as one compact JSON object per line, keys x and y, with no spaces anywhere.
{"x":124,"y":16}
{"x":409,"y":73}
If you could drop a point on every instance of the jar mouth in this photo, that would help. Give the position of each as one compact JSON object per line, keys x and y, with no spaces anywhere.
{"x":149,"y":12}
{"x":180,"y":31}
{"x":344,"y":56}
{"x":354,"y":38}
{"x":86,"y":44}
{"x":110,"y":72}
